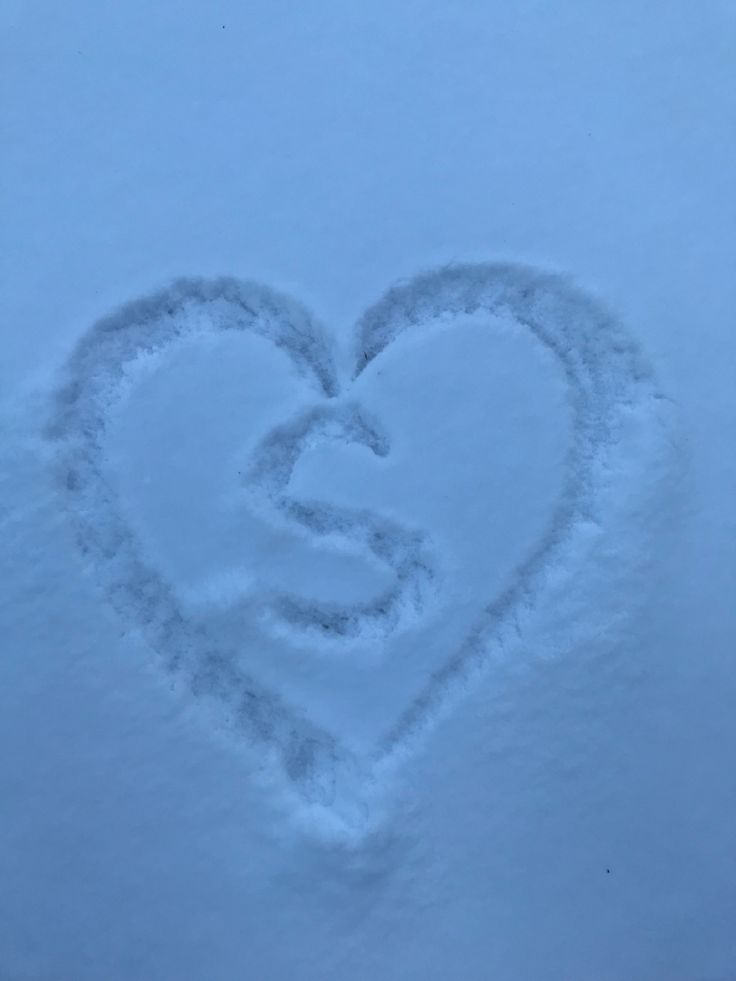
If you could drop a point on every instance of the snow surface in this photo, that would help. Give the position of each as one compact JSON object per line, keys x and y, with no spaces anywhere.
{"x":368,"y":593}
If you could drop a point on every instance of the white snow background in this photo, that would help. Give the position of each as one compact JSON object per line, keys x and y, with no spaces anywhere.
{"x":368,"y":592}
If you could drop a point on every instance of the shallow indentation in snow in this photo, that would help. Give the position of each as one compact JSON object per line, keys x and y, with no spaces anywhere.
{"x":329,"y":569}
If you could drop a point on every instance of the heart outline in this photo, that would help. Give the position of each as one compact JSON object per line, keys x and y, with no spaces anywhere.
{"x":607,"y":378}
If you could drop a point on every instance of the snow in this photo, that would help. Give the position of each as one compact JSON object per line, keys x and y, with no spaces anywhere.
{"x":368,"y":593}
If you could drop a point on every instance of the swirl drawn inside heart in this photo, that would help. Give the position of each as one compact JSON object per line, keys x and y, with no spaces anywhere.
{"x":325,"y":564}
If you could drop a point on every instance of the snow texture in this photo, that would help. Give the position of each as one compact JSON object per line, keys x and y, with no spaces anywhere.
{"x":609,"y":384}
{"x":367,"y":593}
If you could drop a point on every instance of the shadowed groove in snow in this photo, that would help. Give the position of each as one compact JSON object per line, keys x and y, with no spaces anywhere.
{"x":607,"y":379}
{"x":405,"y":552}
{"x":96,"y":378}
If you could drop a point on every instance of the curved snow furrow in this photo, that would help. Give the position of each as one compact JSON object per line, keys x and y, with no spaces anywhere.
{"x":96,"y":380}
{"x":608,"y":380}
{"x":405,"y":552}
{"x":609,"y":383}
{"x":148,"y":326}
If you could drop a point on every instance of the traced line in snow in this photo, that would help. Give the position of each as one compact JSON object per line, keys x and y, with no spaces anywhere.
{"x":608,"y":379}
{"x":140,"y":595}
{"x":406,"y":552}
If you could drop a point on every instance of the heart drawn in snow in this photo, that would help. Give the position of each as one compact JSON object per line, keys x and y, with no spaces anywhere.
{"x":606,"y":383}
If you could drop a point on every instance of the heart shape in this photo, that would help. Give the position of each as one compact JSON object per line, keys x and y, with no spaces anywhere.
{"x":608,"y":385}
